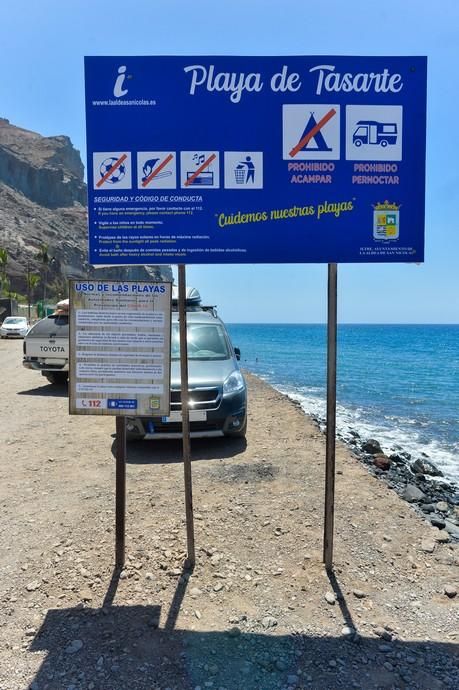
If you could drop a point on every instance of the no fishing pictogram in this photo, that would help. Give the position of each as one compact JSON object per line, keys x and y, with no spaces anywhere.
{"x":156,"y":170}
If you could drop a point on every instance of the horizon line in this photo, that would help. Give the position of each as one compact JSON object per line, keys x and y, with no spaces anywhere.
{"x":343,"y":323}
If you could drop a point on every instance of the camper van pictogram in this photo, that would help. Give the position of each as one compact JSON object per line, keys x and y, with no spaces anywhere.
{"x":372,"y":132}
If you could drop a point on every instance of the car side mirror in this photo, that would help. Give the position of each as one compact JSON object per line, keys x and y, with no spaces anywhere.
{"x":237,"y":352}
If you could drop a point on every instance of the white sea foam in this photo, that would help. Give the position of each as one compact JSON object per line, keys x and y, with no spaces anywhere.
{"x":394,"y":433}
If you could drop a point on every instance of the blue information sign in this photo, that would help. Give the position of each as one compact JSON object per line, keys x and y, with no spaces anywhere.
{"x":255,"y":159}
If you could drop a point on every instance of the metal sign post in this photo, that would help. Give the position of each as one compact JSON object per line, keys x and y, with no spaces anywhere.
{"x":186,"y":418}
{"x":120,"y":499}
{"x":352,"y":128}
{"x":120,"y":362}
{"x":331,"y":417}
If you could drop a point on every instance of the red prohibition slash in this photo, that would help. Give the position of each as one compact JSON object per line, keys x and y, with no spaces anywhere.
{"x":157,"y":170}
{"x":312,"y":133}
{"x":202,"y":167}
{"x":112,"y":169}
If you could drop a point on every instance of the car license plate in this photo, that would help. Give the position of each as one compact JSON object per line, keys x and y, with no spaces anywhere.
{"x":195,"y":416}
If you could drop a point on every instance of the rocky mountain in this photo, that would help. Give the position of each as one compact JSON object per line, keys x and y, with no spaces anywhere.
{"x":43,"y":202}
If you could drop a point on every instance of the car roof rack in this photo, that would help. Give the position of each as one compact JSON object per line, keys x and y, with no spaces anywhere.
{"x":62,"y":307}
{"x":192,"y":301}
{"x":192,"y":296}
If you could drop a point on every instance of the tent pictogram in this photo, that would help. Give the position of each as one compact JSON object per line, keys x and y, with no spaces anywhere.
{"x":315,"y":135}
{"x":311,"y":131}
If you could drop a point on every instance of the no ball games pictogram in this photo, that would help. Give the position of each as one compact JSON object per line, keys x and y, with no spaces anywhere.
{"x":110,"y":172}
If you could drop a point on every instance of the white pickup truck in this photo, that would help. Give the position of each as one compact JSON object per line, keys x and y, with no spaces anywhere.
{"x":46,"y":345}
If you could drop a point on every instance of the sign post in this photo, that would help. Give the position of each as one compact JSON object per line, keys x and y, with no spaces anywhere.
{"x":191,"y":557}
{"x":331,"y":417}
{"x":120,"y":335}
{"x":120,"y":492}
{"x":324,"y":162}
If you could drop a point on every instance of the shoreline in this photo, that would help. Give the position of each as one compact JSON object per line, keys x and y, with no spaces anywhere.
{"x":416,"y":480}
{"x":411,"y":405}
{"x":349,"y":429}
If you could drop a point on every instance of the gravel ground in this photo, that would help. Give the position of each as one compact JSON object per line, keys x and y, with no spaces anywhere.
{"x":258,"y":612}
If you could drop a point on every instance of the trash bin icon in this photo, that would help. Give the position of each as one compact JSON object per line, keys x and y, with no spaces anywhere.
{"x":239,"y":174}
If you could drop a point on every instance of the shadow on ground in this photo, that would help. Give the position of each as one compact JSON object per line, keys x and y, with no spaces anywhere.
{"x":141,"y":648}
{"x":170,"y":451}
{"x":53,"y":390}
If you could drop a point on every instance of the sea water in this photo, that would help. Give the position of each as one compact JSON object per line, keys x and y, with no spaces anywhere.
{"x":398,"y":384}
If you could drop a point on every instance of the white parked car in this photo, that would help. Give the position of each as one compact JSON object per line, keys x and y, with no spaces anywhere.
{"x":14,"y":327}
{"x":46,"y":347}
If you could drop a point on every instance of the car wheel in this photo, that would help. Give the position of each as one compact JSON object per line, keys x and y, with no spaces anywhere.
{"x":57,"y":377}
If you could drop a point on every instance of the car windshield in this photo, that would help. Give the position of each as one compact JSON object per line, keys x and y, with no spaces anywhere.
{"x":15,"y":320}
{"x":205,"y":341}
{"x":57,"y":324}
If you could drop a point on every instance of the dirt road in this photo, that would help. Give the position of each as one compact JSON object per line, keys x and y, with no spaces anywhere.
{"x":258,"y":612}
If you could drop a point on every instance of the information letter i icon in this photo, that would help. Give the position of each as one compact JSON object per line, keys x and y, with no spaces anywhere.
{"x":118,"y":90}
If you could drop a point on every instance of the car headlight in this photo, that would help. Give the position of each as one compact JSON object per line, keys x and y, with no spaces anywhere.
{"x":234,"y":383}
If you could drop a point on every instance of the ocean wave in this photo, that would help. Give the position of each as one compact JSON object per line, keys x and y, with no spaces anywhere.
{"x":393,"y":433}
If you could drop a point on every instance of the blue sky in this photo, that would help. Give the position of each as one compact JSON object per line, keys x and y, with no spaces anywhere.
{"x":43,"y":44}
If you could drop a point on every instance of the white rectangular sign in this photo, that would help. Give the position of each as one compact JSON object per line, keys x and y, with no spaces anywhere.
{"x":120,"y":335}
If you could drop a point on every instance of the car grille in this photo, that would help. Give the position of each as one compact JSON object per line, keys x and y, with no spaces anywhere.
{"x":199,"y":398}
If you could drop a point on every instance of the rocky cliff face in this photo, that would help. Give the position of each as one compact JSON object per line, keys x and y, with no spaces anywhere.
{"x":47,"y":170}
{"x":43,"y":201}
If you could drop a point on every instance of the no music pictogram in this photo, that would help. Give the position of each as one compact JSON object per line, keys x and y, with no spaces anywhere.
{"x":201,"y":168}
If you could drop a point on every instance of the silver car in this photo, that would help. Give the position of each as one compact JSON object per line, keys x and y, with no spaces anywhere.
{"x":217,"y":389}
{"x":14,"y":327}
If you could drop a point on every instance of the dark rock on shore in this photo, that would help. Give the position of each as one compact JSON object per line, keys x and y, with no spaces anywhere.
{"x":372,"y":446}
{"x":413,"y":494}
{"x":452,"y":528}
{"x":435,"y":499}
{"x":397,"y":459}
{"x":421,"y":466}
{"x":437,"y":522}
{"x":382,"y":462}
